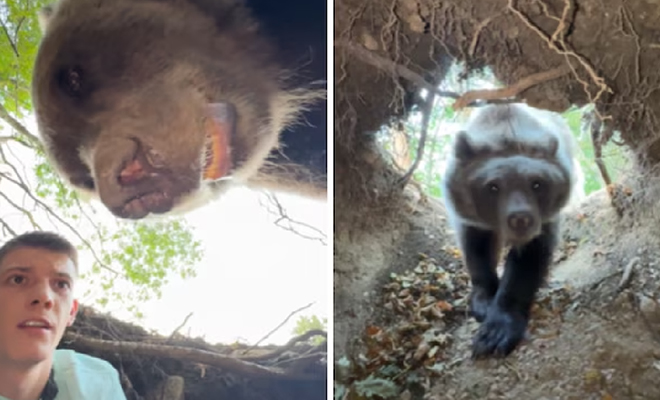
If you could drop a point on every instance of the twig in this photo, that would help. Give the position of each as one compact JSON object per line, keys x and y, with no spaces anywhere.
{"x":7,"y":139}
{"x":178,"y":328}
{"x":283,"y":216}
{"x":300,"y":363}
{"x":512,"y":90}
{"x":27,"y":213}
{"x":627,"y":274}
{"x":278,"y":326}
{"x":6,"y":227}
{"x":426,"y":117}
{"x":9,"y":39}
{"x":280,"y":350}
{"x":14,"y":123}
{"x":60,"y":219}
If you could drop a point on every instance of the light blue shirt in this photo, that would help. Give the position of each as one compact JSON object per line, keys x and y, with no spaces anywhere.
{"x":82,"y":377}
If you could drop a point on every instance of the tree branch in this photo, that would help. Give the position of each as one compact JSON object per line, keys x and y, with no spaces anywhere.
{"x":278,"y":326}
{"x":9,"y":39}
{"x":6,"y":227}
{"x":284,"y":217}
{"x":289,"y":345}
{"x":14,"y":123}
{"x":178,"y":328}
{"x":21,"y":209}
{"x":60,"y":219}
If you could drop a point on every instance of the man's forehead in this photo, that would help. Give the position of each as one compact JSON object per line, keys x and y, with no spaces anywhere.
{"x":27,"y":258}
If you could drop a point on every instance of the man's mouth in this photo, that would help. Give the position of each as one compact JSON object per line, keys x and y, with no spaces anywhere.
{"x":220,"y":128}
{"x":35,"y":324}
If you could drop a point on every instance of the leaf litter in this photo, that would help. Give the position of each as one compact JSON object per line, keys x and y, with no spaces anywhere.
{"x":410,"y":347}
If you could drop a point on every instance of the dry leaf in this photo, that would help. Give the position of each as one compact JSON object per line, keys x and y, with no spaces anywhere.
{"x":421,"y":351}
{"x":373,"y":330}
{"x":444,"y":306}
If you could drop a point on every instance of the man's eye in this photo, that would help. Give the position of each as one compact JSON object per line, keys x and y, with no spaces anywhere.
{"x":64,"y":284}
{"x":17,"y":279}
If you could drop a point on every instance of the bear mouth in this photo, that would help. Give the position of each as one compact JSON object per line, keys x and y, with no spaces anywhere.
{"x":145,"y":184}
{"x":220,"y":129}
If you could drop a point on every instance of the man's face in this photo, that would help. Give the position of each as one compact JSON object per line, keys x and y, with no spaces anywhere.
{"x":36,"y":303}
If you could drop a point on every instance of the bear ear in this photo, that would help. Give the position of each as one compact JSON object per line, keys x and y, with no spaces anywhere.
{"x":44,"y":15}
{"x":463,"y":148}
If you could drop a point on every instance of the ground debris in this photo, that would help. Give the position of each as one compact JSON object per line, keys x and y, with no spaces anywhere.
{"x":424,"y":305}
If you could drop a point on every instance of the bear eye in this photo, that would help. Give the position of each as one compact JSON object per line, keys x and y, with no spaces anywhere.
{"x":70,"y":80}
{"x":493,"y":187}
{"x":536,"y":185}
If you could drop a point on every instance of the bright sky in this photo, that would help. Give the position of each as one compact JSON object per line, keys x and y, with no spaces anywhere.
{"x":253,"y":275}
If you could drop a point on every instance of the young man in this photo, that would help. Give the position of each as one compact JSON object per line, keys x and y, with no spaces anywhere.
{"x":38,"y":271}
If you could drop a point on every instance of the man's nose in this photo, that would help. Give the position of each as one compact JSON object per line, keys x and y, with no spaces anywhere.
{"x":42,"y":294}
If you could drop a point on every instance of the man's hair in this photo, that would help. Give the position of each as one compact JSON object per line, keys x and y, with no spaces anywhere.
{"x":41,"y":240}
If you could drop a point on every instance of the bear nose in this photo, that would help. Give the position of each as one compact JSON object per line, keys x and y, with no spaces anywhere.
{"x":144,"y":166}
{"x":520,"y":221}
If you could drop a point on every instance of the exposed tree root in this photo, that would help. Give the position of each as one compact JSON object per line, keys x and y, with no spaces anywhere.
{"x":556,"y":42}
{"x":426,"y":116}
{"x":512,"y":90}
{"x":600,"y":135}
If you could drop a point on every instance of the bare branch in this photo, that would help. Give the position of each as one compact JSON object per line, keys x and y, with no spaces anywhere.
{"x":278,"y":326}
{"x":288,"y":346}
{"x":6,"y":227}
{"x":302,"y":362}
{"x":178,"y":328}
{"x":285,"y":218}
{"x":21,"y":209}
{"x":60,"y":219}
{"x":7,"y":139}
{"x":14,"y":123}
{"x":13,"y":167}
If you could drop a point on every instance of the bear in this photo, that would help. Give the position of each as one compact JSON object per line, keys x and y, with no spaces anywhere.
{"x":511,"y":170}
{"x":156,"y":107}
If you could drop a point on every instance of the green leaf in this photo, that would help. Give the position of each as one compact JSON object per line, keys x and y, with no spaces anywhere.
{"x":372,"y":387}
